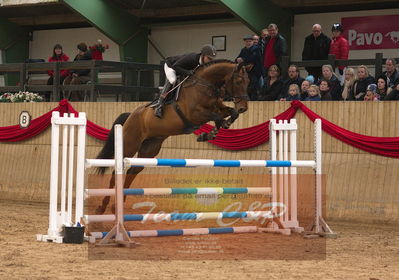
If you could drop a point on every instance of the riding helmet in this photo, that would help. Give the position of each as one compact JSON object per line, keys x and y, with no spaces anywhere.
{"x":208,"y":50}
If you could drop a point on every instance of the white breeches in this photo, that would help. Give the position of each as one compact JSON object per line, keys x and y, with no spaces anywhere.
{"x":170,"y":74}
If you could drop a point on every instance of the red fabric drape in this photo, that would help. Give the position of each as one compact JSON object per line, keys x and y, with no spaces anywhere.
{"x":230,"y":139}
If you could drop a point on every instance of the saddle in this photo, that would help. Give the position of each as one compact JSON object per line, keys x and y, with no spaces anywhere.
{"x":172,"y":96}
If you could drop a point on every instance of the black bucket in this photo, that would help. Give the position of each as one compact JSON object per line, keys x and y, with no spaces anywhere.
{"x":74,"y":235}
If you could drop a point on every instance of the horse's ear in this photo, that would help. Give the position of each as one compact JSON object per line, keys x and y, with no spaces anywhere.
{"x":248,"y":67}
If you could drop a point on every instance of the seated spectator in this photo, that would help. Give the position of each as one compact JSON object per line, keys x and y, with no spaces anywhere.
{"x":363,"y":79}
{"x":325,"y":90}
{"x":348,"y":83}
{"x":304,"y":89}
{"x":313,"y":93}
{"x":334,"y":84}
{"x":394,"y":94}
{"x":293,"y":78}
{"x":80,"y":76}
{"x":382,"y":87}
{"x":273,"y":84}
{"x":390,"y":72}
{"x":293,"y":93}
{"x":58,"y":55}
{"x":250,"y":54}
{"x":371,"y":93}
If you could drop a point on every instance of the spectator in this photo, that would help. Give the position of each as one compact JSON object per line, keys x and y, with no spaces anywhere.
{"x":255,"y":39}
{"x":325,"y":90}
{"x":394,"y":94}
{"x":339,"y":45}
{"x":371,"y":93}
{"x":348,"y":83}
{"x":275,"y":46}
{"x":293,"y":93}
{"x":273,"y":85}
{"x":250,"y":54}
{"x":293,"y":78}
{"x":382,"y":87}
{"x":80,"y":76}
{"x":390,"y":72}
{"x":313,"y":93}
{"x":263,"y":36}
{"x":331,"y":78}
{"x":58,"y":55}
{"x":363,"y":79}
{"x":316,"y":47}
{"x":304,"y":89}
{"x":97,"y":50}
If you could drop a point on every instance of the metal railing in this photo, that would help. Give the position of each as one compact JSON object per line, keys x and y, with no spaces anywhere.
{"x":139,"y":81}
{"x":377,"y":62}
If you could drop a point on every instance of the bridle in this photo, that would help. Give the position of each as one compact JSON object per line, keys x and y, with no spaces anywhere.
{"x":215,"y":91}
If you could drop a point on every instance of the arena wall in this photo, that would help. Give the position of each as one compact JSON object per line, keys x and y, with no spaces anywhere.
{"x":360,"y":186}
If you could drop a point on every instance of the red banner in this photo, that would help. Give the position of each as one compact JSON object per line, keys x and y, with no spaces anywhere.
{"x":372,"y":32}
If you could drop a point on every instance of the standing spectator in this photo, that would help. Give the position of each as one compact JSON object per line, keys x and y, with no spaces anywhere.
{"x":316,"y":47}
{"x":97,"y":50}
{"x":325,"y":90}
{"x":334,"y":84}
{"x":80,"y":76}
{"x":363,"y":79}
{"x":58,"y":55}
{"x":390,"y":72}
{"x":273,"y":84}
{"x":263,"y":36}
{"x":293,"y":78}
{"x":255,"y":39}
{"x":250,"y":54}
{"x":304,"y":89}
{"x":314,"y":94}
{"x":382,"y":87}
{"x":350,"y":78}
{"x":339,"y":45}
{"x":275,"y":46}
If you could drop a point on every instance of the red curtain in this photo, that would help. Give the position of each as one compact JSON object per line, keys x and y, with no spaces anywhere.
{"x":229,"y":139}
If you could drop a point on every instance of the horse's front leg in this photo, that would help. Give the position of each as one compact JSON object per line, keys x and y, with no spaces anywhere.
{"x":218,"y":119}
{"x":230,"y":112}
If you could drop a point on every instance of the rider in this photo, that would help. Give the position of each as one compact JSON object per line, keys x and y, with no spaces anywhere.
{"x":181,"y":65}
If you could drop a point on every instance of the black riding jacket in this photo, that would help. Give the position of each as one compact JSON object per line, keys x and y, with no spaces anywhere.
{"x":184,"y":64}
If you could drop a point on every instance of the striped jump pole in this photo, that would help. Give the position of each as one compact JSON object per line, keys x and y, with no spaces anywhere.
{"x":175,"y":191}
{"x":252,"y":215}
{"x":178,"y":232}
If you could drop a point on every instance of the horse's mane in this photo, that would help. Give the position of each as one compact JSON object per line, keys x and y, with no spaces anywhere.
{"x":212,"y":62}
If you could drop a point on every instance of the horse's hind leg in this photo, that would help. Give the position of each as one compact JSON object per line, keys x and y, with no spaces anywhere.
{"x":149,"y":149}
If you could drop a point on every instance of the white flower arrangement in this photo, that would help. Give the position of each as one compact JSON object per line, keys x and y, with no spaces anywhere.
{"x":22,"y":96}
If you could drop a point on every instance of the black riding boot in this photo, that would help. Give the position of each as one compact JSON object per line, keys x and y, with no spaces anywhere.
{"x":161,"y":100}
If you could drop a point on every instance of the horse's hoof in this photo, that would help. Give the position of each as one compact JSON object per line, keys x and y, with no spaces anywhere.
{"x":202,"y":137}
{"x":100,"y":210}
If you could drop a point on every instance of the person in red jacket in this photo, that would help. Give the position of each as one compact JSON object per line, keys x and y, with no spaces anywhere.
{"x":97,"y":50}
{"x":339,"y":45}
{"x":58,"y":55}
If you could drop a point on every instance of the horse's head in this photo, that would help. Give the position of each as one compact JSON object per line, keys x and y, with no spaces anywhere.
{"x":236,"y":87}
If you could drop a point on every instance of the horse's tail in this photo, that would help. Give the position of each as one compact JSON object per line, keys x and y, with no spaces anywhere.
{"x":107,"y":152}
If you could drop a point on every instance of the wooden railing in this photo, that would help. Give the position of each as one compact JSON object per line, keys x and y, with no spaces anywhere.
{"x":376,"y":62}
{"x":139,"y":81}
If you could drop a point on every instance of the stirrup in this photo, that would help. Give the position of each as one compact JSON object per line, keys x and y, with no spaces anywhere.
{"x":158,"y":112}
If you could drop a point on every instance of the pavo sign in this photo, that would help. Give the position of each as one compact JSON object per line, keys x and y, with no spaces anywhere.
{"x":372,"y":32}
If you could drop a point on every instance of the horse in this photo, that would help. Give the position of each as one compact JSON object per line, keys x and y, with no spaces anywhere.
{"x":200,"y":100}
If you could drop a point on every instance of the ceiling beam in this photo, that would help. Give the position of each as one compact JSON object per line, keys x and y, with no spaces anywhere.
{"x":47,"y":20}
{"x":180,"y":11}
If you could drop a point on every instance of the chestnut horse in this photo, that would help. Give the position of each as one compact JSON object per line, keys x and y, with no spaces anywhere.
{"x":200,"y":100}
